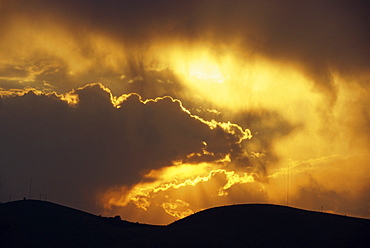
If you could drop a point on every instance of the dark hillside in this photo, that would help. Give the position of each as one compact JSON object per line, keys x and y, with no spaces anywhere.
{"x":32,"y":223}
{"x":260,"y":225}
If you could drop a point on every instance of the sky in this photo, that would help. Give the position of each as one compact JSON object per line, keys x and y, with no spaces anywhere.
{"x":154,"y":110}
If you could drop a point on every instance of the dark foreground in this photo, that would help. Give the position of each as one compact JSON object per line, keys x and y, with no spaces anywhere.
{"x":32,"y":223}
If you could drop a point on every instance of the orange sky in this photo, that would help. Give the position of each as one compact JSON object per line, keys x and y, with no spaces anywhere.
{"x":154,"y":110}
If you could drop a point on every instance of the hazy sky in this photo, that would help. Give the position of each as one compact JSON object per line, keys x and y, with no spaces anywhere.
{"x":155,"y":109}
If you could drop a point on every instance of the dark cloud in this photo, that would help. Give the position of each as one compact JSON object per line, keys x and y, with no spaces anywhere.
{"x":76,"y":150}
{"x":267,"y":127}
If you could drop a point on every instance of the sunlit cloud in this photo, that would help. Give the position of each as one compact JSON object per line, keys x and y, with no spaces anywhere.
{"x":179,"y":176}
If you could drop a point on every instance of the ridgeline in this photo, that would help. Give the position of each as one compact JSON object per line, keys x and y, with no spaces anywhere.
{"x":32,"y":223}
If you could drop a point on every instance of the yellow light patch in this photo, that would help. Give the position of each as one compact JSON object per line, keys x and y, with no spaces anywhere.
{"x":171,"y":180}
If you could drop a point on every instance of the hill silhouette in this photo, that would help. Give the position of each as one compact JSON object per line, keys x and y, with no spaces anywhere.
{"x":32,"y":223}
{"x":262,"y":225}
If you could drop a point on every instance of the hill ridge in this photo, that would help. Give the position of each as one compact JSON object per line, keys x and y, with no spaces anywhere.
{"x":34,"y":223}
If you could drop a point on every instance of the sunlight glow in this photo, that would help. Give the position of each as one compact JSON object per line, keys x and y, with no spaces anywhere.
{"x":229,"y":81}
{"x":174,"y":178}
{"x":203,"y":70}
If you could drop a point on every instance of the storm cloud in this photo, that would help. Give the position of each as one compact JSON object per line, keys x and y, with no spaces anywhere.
{"x":75,"y":150}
